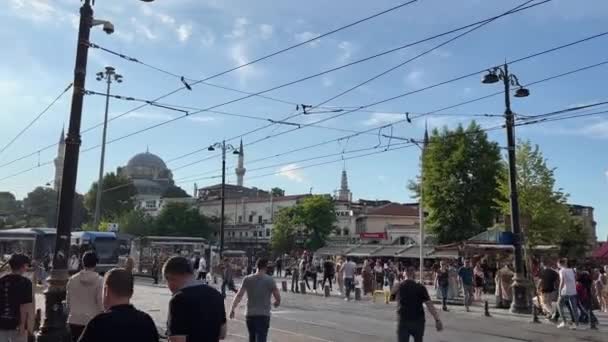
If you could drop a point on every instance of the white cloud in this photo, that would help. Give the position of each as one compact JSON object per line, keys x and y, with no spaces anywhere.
{"x":127,"y":37}
{"x":150,"y":116}
{"x":142,"y":29}
{"x":347,"y":49}
{"x":376,"y":119}
{"x":606,"y":174}
{"x":442,"y":53}
{"x":307,"y":35}
{"x":35,"y":10}
{"x":201,"y":119}
{"x":327,"y":81}
{"x":184,"y":31}
{"x":266,"y":31}
{"x":414,"y":78}
{"x":596,"y":130}
{"x":290,"y":172}
{"x":239,"y":28}
{"x":467,"y":90}
{"x":238,"y":53}
{"x":207,"y":38}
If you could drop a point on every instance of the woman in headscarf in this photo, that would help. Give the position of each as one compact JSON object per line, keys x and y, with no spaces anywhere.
{"x":368,"y":278}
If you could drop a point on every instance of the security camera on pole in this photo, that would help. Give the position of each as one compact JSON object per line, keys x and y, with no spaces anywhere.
{"x":53,"y":327}
{"x":108,"y":75}
{"x":520,"y":285}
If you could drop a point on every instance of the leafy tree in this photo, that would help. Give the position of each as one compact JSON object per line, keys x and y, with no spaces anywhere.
{"x":546,"y":218}
{"x":116,"y":199}
{"x":316,"y":214}
{"x":8,"y":203}
{"x":180,"y":219}
{"x":136,"y":222}
{"x":175,"y":192}
{"x":461,"y":173}
{"x":277,"y":192}
{"x":40,"y":208}
{"x":284,"y":232}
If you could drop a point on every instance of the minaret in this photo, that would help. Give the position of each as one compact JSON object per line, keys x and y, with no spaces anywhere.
{"x":59,"y":162}
{"x":240,"y":169}
{"x":426,"y":136}
{"x":344,"y":193}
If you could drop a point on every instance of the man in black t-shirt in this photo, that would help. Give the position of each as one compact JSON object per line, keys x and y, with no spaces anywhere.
{"x":329,"y":270}
{"x":121,"y":322}
{"x":411,"y":297}
{"x":196,"y":311}
{"x":549,"y":280}
{"x":16,"y":298}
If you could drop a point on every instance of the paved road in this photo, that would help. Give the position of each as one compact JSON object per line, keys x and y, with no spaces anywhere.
{"x":317,"y":319}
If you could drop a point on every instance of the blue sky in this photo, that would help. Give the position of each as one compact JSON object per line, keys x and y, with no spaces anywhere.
{"x":198,"y":38}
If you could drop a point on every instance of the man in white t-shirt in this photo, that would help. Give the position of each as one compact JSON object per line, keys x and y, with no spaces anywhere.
{"x":349,"y":269}
{"x":567,"y":294}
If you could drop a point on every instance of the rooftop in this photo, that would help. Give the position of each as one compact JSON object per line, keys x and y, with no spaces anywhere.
{"x":394,"y":209}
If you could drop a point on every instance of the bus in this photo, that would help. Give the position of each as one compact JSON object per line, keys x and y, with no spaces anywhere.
{"x":35,"y":242}
{"x":144,"y":249}
{"x":104,"y":244}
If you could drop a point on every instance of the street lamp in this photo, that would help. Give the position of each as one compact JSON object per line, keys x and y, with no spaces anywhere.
{"x":54,"y":325}
{"x":520,"y":287}
{"x":225,"y":147}
{"x":108,"y":75}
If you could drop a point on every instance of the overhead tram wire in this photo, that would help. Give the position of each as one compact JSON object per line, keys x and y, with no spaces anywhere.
{"x":438,"y":110}
{"x":341,"y":67}
{"x":301,"y":80}
{"x":444,"y":108}
{"x":278,"y":52}
{"x":287,"y":84}
{"x":46,"y":109}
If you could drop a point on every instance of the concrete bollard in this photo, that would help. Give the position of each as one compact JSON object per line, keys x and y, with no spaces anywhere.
{"x":302,"y":287}
{"x":284,"y":285}
{"x":486,"y":309}
{"x":357,"y":293}
{"x":326,"y":291}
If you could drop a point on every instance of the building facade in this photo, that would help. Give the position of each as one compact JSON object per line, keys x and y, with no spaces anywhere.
{"x":59,"y":162}
{"x":585,"y":215}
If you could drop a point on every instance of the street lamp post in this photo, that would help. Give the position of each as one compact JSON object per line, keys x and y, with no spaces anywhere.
{"x":54,"y":325}
{"x":108,"y":75}
{"x":225,"y":147}
{"x":520,"y":287}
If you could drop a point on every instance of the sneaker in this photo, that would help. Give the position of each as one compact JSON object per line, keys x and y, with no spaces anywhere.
{"x":573,"y":327}
{"x":562,"y":325}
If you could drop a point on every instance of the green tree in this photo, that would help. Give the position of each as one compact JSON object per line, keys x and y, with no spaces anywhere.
{"x":316,"y":215}
{"x":277,"y":192}
{"x":284,"y":231}
{"x":8,"y":203}
{"x":40,"y":208}
{"x":461,"y":174}
{"x":180,"y":219}
{"x":116,"y":199}
{"x":545,"y":216}
{"x":137,"y":223}
{"x":175,"y":192}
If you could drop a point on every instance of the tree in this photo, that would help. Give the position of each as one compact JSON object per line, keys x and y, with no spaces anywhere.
{"x":180,"y":219}
{"x":136,"y":222}
{"x":284,"y":232}
{"x":316,"y":214}
{"x":40,"y":208}
{"x":277,"y":192}
{"x":543,"y":209}
{"x":175,"y":192}
{"x":8,"y":203}
{"x":116,"y":199}
{"x":461,"y":172}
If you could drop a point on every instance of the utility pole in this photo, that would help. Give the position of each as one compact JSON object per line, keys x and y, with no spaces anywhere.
{"x":224,"y":148}
{"x":108,"y":75}
{"x":54,"y":325}
{"x":520,"y":287}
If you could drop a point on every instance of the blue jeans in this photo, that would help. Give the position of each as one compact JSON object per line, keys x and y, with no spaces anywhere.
{"x":444,"y":295}
{"x":349,"y":285}
{"x":572,"y":303}
{"x":258,"y":328}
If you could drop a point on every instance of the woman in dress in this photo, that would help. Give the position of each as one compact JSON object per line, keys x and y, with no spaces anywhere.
{"x":379,"y":275}
{"x":478,"y":281}
{"x":340,"y":275}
